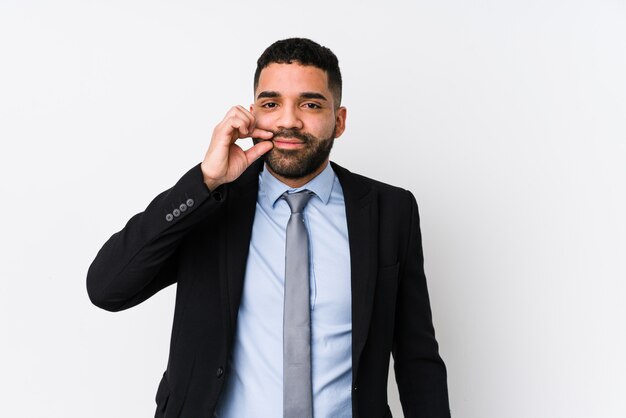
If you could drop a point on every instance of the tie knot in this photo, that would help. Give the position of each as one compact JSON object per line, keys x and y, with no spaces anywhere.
{"x":297,"y":201}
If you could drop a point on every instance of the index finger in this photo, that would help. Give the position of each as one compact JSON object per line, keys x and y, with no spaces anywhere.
{"x":258,"y":133}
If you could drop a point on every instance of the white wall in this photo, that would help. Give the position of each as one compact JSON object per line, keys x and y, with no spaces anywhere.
{"x":505,"y":118}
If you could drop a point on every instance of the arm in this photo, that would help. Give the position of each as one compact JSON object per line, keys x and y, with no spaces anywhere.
{"x":141,"y":259}
{"x":420,"y":371}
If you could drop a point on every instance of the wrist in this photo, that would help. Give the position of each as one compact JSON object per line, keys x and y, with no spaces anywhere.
{"x":211,"y":184}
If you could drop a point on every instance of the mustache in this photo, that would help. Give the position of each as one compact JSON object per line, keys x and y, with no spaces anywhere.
{"x":293,"y":133}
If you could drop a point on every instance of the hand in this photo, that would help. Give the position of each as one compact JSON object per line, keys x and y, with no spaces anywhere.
{"x":224,"y":160}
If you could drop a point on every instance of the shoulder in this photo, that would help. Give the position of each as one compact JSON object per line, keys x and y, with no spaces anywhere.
{"x":357,"y":183}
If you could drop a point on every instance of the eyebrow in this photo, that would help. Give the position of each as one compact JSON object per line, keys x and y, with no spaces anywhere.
{"x":265,"y":94}
{"x":313,"y":95}
{"x":304,"y":95}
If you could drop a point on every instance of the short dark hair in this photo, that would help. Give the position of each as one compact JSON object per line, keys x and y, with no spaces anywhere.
{"x":305,"y":52}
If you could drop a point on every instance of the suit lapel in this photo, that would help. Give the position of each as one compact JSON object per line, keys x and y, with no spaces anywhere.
{"x":362,"y":219}
{"x":241,"y":207}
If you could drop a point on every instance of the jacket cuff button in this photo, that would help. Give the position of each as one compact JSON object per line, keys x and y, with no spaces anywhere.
{"x":169,"y":217}
{"x":190,"y":202}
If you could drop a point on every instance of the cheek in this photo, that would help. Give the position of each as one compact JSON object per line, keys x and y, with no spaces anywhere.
{"x":314,"y":125}
{"x":324,"y":129}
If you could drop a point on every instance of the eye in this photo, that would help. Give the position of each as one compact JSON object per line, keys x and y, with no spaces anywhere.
{"x":269,"y":105}
{"x":310,"y":105}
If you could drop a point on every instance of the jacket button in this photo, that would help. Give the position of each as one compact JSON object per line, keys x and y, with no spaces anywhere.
{"x":219,"y":373}
{"x":182,"y":207}
{"x":176,"y":213}
{"x":189,"y":202}
{"x":169,"y":217}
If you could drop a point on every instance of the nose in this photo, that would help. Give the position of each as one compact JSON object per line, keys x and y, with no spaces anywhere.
{"x":289,"y":118}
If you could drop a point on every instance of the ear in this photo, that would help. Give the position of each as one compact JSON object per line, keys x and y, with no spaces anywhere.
{"x":340,"y":121}
{"x":252,"y":108}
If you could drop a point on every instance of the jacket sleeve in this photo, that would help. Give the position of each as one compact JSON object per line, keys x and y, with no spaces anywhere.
{"x":140,"y":260}
{"x":420,"y":371}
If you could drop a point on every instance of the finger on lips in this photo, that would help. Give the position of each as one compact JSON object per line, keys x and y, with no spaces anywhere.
{"x":261,"y":134}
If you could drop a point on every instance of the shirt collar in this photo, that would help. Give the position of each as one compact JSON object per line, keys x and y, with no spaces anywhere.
{"x":321,"y":185}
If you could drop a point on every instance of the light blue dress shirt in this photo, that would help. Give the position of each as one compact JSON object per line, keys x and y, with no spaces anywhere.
{"x":254,"y":387}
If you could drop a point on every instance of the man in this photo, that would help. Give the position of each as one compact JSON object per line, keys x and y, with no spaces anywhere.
{"x":249,"y":339}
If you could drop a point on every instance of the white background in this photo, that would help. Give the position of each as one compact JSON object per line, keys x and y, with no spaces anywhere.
{"x":505,"y":118}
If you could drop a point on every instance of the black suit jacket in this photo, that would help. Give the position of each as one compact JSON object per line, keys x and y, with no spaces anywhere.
{"x":204,"y":249}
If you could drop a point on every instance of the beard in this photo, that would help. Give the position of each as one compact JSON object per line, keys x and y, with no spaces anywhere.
{"x":295,"y":164}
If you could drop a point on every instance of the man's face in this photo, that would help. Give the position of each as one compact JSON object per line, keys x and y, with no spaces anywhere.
{"x":294,"y":102}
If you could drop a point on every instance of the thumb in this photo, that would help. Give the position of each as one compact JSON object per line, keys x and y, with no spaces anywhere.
{"x":253,"y":153}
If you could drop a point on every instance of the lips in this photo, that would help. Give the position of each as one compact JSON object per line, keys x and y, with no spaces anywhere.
{"x":288,"y":140}
{"x":287,"y":143}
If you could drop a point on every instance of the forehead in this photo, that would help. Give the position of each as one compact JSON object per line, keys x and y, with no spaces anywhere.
{"x":292,"y":79}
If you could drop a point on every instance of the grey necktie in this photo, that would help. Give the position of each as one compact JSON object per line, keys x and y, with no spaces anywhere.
{"x":297,"y":387}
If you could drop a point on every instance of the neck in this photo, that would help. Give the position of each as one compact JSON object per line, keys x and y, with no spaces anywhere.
{"x":300,"y":181}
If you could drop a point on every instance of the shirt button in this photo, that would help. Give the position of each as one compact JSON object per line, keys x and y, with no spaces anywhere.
{"x":219,"y":373}
{"x":169,"y":217}
{"x":189,"y":202}
{"x":176,"y":213}
{"x":182,"y":207}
